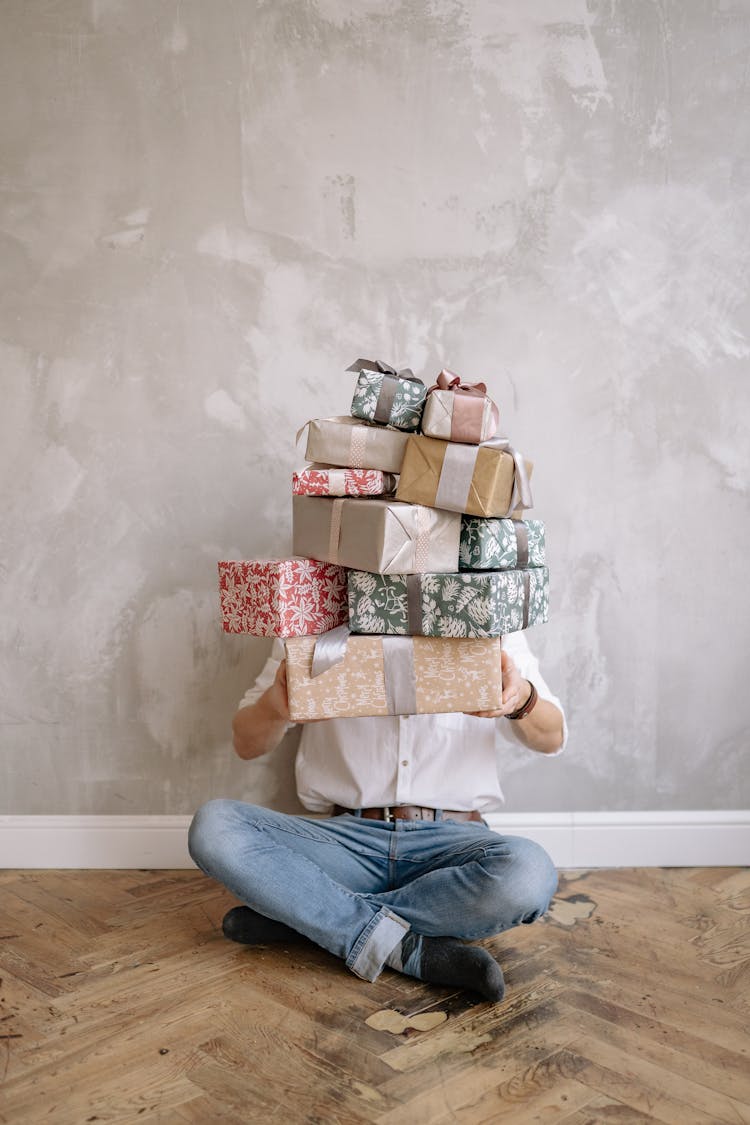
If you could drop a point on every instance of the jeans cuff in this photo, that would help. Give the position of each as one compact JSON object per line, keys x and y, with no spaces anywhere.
{"x":379,"y":938}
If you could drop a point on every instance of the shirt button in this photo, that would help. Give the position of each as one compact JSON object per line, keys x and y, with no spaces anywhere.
{"x":405,"y":762}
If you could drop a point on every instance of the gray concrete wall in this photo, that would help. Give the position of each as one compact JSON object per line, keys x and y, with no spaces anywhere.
{"x":208,"y":209}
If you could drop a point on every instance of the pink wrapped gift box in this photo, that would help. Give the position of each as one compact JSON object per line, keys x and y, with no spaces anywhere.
{"x":282,"y":597}
{"x":459,"y":412}
{"x":319,"y":480}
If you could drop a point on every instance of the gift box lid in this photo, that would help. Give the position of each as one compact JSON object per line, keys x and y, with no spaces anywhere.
{"x":385,"y":536}
{"x":347,"y":442}
{"x":476,"y":479}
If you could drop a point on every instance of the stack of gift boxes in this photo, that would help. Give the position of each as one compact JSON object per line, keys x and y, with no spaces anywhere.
{"x":411,"y":555}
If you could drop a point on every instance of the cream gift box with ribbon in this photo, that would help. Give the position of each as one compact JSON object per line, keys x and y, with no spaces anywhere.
{"x":485,"y":603}
{"x":344,"y":441}
{"x":376,"y":535}
{"x":491,"y":479}
{"x":392,"y":676}
{"x":385,"y":395}
{"x":461,"y":412}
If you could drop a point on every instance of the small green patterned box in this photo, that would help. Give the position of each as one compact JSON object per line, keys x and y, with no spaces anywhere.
{"x":500,"y":544}
{"x":481,"y":604}
{"x":403,"y":400}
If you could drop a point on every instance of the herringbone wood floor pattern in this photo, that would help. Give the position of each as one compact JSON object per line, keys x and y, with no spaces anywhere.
{"x":120,"y":1001}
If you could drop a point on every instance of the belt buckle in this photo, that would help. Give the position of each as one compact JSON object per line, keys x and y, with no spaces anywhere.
{"x":388,"y":816}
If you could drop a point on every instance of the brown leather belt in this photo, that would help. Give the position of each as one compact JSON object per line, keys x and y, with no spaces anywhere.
{"x":408,"y":812}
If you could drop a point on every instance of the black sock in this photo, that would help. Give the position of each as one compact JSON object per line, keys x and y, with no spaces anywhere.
{"x":450,"y":962}
{"x":246,"y":926}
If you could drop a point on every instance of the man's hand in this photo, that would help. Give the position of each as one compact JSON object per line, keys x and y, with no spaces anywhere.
{"x":516,"y":691}
{"x":542,"y":728}
{"x":259,"y":728}
{"x":278,"y":699}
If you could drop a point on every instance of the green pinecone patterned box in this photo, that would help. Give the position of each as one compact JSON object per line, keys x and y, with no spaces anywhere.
{"x":480,"y":604}
{"x":406,"y":407}
{"x":500,"y":544}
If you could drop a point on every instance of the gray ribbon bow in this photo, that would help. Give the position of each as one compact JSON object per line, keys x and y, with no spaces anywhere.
{"x":384,"y":369}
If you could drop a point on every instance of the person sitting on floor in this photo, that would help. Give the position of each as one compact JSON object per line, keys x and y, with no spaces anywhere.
{"x":404,"y":870}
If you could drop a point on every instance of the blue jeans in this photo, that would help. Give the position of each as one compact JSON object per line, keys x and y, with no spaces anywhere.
{"x":355,"y":886}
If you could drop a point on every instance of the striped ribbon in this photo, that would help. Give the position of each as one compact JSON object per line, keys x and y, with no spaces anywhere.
{"x":334,"y":533}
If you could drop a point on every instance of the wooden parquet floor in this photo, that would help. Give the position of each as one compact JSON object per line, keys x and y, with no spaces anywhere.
{"x":120,"y":1001}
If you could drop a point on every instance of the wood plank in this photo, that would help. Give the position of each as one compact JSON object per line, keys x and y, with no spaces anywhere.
{"x":472,"y":1061}
{"x":675,"y":1049}
{"x":205,"y":1109}
{"x":54,"y":905}
{"x":601,"y":1110}
{"x":466,"y":1035}
{"x":618,"y":1069}
{"x":676,"y":998}
{"x":543,"y":1091}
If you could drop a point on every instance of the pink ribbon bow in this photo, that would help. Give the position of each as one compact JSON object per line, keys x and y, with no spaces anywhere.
{"x":449,"y":381}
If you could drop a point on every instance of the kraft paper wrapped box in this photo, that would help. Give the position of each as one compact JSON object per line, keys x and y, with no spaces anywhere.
{"x":322,"y":480}
{"x":377,"y":535}
{"x":456,"y":411}
{"x":500,"y":544}
{"x":479,"y":604}
{"x":389,"y":397}
{"x":356,"y":445}
{"x":481,"y":480}
{"x":394,"y":676}
{"x":281,"y":597}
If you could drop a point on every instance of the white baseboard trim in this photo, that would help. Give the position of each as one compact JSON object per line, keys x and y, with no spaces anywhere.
{"x":94,"y":841}
{"x":636,"y":839}
{"x":576,"y":839}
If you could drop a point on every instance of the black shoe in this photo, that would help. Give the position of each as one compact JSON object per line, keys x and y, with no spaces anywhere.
{"x":246,"y":926}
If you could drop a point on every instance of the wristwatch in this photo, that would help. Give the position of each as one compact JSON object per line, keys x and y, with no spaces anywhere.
{"x":528,"y":706}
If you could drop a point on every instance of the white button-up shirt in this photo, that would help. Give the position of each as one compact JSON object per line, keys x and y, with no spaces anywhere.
{"x":446,"y":761}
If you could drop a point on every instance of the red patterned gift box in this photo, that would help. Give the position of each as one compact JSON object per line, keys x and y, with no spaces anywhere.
{"x":318,"y":480}
{"x":282,"y":597}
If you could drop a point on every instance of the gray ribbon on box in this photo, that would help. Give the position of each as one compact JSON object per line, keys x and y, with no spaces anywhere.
{"x":330,"y":649}
{"x":415,"y":623}
{"x":526,"y":597}
{"x":398,"y":666}
{"x":388,"y":387}
{"x":457,"y":472}
{"x":522,"y":544}
{"x":400,"y":677}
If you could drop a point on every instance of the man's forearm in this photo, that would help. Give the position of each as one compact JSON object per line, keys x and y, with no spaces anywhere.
{"x":258,"y":729}
{"x":542,"y":728}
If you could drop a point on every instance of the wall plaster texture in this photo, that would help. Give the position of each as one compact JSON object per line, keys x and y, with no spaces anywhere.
{"x":208,"y":210}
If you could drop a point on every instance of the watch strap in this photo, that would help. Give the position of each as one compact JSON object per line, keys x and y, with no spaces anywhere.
{"x":528,"y":706}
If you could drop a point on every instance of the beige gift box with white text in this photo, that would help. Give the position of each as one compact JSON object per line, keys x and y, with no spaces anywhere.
{"x":448,"y":675}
